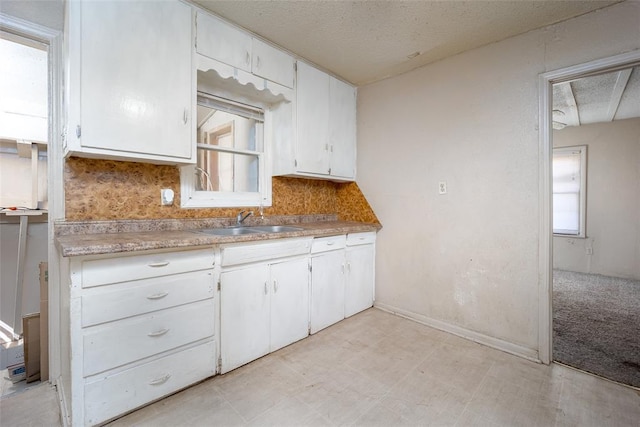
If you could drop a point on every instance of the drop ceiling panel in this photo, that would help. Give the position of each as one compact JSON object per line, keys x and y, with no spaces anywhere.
{"x":630,"y":103}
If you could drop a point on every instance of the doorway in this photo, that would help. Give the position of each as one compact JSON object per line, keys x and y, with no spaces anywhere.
{"x":581,"y":238}
{"x":44,"y":152}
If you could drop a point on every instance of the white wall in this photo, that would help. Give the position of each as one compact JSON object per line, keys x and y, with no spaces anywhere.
{"x":613,"y":201}
{"x":467,"y":261}
{"x":49,"y":13}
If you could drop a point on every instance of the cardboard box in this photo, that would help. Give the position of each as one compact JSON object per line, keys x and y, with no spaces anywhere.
{"x":44,"y":321}
{"x":16,"y":372}
{"x":31,"y":331}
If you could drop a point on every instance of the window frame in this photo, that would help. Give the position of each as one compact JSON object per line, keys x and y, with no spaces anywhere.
{"x":192,"y":198}
{"x":582,"y":194}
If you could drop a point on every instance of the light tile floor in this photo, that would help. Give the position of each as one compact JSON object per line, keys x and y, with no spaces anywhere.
{"x":376,"y":369}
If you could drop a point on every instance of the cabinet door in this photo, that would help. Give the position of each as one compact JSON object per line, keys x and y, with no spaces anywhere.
{"x":135,"y":84}
{"x":223,"y":42}
{"x":272,"y":64}
{"x":289,"y":302}
{"x":327,"y":289}
{"x":312,"y":144}
{"x":244,"y":315}
{"x":342,"y":139}
{"x":360,"y":279}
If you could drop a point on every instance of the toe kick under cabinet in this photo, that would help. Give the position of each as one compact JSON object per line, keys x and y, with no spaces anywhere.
{"x":141,"y":326}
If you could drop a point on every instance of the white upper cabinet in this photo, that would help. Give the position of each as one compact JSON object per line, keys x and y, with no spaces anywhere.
{"x":130,"y":80}
{"x":223,"y":42}
{"x":272,"y":64}
{"x":312,"y":120}
{"x":325,"y":140}
{"x":342,"y":129}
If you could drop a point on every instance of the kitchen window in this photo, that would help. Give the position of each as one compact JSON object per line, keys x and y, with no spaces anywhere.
{"x":231,"y":169}
{"x":569,"y":191}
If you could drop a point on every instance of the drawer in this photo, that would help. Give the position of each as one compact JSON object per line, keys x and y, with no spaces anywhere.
{"x":366,"y":238}
{"x":247,"y":253}
{"x":103,"y":271}
{"x":324,"y":244}
{"x":119,"y":343}
{"x":114,"y":395}
{"x":114,"y":302}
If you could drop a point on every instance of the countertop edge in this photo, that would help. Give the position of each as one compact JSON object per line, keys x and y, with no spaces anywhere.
{"x":113,"y":243}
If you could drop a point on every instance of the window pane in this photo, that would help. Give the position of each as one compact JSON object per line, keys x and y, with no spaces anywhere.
{"x":228,"y":130}
{"x":566,"y":213}
{"x":228,"y":172}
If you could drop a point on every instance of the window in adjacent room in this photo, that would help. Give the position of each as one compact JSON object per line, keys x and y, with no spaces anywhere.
{"x":569,"y":190}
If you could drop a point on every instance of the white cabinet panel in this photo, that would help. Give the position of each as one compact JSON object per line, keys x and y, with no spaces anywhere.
{"x":103,"y":271}
{"x":135,"y":79}
{"x":223,"y":42}
{"x":272,"y":64}
{"x":342,"y":132}
{"x":325,"y":142}
{"x":105,"y":304}
{"x":244,"y":315}
{"x":126,"y":390}
{"x":312,"y":141}
{"x":360,"y":278}
{"x":115,"y":344}
{"x":327,"y":289}
{"x":289,"y":302}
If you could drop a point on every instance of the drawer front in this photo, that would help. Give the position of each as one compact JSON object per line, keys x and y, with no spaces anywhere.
{"x":247,"y":253}
{"x":117,"y":394}
{"x":366,"y":238}
{"x":96,"y":272}
{"x":118,"y":343}
{"x":109,"y":303}
{"x":325,"y":244}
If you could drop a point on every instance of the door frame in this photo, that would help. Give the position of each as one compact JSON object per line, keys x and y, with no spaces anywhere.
{"x":545,"y":250}
{"x":55,"y":165}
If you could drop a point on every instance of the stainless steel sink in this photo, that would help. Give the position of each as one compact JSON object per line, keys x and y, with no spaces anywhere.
{"x":237,"y":231}
{"x":275,"y":228}
{"x":233,"y":231}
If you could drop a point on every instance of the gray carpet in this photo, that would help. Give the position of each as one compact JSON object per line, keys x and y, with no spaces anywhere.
{"x":596,"y":325}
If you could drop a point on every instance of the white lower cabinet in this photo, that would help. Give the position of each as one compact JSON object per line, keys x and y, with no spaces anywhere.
{"x":360,"y":271}
{"x":327,"y":282}
{"x":135,"y":338}
{"x":264,"y":305}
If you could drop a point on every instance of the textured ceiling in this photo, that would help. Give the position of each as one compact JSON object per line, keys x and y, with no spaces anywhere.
{"x":602,"y":98}
{"x":366,"y":41}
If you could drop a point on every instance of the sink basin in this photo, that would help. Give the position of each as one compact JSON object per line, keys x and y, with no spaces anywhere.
{"x":237,"y":231}
{"x":233,"y":231}
{"x":275,"y":228}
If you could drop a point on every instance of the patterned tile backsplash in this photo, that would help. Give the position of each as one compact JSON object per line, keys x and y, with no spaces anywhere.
{"x":108,"y":190}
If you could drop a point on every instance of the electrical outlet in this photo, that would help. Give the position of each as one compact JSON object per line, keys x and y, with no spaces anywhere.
{"x":442,"y":187}
{"x":166,"y":197}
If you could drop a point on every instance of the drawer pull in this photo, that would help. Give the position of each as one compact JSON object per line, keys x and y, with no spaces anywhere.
{"x":158,"y":333}
{"x":160,"y":380}
{"x":159,"y":295}
{"x":330,"y":243}
{"x":159,"y":264}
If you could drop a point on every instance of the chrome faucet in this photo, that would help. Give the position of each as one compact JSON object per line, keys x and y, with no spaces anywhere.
{"x":241,"y":217}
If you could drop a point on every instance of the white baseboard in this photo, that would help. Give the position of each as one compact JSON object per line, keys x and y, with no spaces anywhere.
{"x":515,"y":349}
